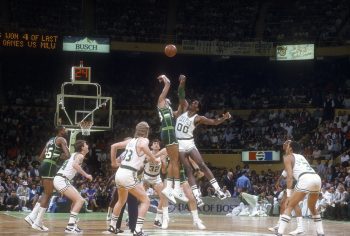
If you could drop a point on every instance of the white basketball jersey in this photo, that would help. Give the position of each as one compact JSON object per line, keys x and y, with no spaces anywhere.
{"x":132,"y":158}
{"x":185,"y":126}
{"x":152,"y":169}
{"x":67,"y":169}
{"x":301,"y":166}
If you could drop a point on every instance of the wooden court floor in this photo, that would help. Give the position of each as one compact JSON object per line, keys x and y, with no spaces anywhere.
{"x":12,"y":223}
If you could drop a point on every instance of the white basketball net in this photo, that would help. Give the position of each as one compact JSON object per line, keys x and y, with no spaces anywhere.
{"x":85,"y":127}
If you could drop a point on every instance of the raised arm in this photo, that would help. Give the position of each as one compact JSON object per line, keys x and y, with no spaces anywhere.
{"x":206,"y":121}
{"x":162,"y":96}
{"x":183,"y":104}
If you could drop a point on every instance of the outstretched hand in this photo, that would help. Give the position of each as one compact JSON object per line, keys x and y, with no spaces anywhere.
{"x":163,"y":78}
{"x":182,"y":79}
{"x":226,"y":115}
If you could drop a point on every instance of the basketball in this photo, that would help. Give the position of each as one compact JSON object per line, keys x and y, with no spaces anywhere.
{"x":170,"y":50}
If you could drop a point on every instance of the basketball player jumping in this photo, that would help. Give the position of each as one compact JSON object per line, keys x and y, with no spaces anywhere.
{"x":167,"y":118}
{"x":185,"y":125}
{"x":62,"y":180}
{"x":136,"y":150}
{"x":308,"y":182}
{"x":55,"y":149}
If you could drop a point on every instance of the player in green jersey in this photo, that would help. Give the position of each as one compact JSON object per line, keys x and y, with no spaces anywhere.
{"x":55,"y":149}
{"x":167,"y":118}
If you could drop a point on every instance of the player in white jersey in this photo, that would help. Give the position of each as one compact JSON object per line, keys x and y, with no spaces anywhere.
{"x":62,"y":183}
{"x":151,"y":176}
{"x":136,"y":151}
{"x":308,"y":182}
{"x":185,"y":125}
{"x":283,"y":201}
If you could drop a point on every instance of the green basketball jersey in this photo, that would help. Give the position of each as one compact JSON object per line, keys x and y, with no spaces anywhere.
{"x":49,"y":166}
{"x":52,"y":151}
{"x":167,"y":133}
{"x":166,"y":117}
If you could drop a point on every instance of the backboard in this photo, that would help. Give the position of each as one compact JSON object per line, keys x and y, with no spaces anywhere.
{"x":83,"y":102}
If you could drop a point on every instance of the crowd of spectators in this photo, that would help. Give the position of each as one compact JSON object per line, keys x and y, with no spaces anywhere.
{"x":315,"y":21}
{"x":55,"y":16}
{"x":224,"y":20}
{"x":139,"y":20}
{"x":156,"y":20}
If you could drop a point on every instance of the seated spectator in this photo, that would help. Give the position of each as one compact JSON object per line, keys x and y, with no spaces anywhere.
{"x":12,"y":202}
{"x":225,"y":190}
{"x":23,"y":193}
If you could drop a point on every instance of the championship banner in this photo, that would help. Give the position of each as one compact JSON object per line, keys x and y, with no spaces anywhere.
{"x":85,"y":44}
{"x":221,"y":48}
{"x":260,"y":156}
{"x":212,"y":206}
{"x":295,"y":52}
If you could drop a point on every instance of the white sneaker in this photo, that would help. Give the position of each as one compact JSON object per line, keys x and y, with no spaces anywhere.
{"x":220,"y":194}
{"x":168,"y":192}
{"x":165,"y":223}
{"x":40,"y":227}
{"x":179,"y":194}
{"x":199,"y":201}
{"x":73,"y":229}
{"x":273,"y":229}
{"x":199,"y":224}
{"x":297,"y":231}
{"x":29,"y":220}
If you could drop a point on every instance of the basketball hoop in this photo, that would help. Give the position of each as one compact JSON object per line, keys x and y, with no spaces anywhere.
{"x":85,"y":127}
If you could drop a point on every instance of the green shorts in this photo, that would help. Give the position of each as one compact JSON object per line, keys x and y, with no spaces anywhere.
{"x":48,"y":169}
{"x":167,"y":136}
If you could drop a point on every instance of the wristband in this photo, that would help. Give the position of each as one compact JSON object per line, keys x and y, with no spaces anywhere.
{"x":289,"y":192}
{"x":181,"y":93}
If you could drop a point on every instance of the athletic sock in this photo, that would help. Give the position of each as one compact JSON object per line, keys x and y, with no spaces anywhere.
{"x":300,"y":223}
{"x":72,"y":217}
{"x":139,"y":224}
{"x":40,"y":216}
{"x":319,"y":225}
{"x":109,"y":212}
{"x":159,"y":215}
{"x":195,"y":215}
{"x":169,"y":183}
{"x":35,"y":211}
{"x":165,"y":211}
{"x":176,"y":184}
{"x":283,"y":223}
{"x":195,"y":190}
{"x":215,"y":184}
{"x":114,"y":220}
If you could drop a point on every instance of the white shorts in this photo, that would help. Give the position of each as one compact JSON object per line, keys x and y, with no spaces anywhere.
{"x":125,"y":178}
{"x":61,"y":184}
{"x":186,"y":145}
{"x":308,"y":183}
{"x":151,"y":180}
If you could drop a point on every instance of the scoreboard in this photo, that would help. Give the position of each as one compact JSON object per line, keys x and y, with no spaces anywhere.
{"x":28,"y":40}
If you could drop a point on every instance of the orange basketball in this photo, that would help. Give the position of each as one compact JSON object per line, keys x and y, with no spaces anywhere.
{"x":170,"y":50}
